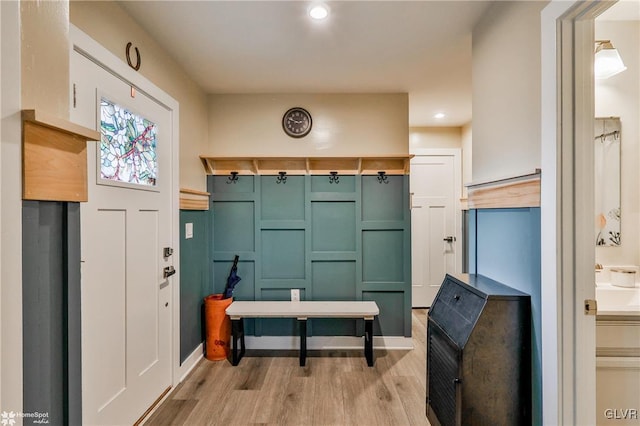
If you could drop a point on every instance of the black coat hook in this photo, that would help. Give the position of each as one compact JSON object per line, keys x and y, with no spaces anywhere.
{"x":233,"y":178}
{"x":334,"y":178}
{"x":382,"y":177}
{"x":282,"y":178}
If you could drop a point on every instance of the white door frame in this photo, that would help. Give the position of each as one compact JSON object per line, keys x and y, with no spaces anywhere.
{"x":568,"y":252}
{"x":457,"y":190}
{"x":108,"y":60}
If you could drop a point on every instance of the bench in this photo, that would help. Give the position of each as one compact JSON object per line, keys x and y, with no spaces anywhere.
{"x":301,"y":310}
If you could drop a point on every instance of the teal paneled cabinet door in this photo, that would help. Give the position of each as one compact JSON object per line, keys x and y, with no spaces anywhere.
{"x":346,"y":240}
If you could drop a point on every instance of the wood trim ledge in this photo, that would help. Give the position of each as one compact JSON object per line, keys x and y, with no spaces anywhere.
{"x":54,"y":158}
{"x":193,"y":199}
{"x":517,"y":192}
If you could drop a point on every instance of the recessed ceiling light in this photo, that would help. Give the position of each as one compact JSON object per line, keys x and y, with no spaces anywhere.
{"x":319,"y":11}
{"x":439,"y":115}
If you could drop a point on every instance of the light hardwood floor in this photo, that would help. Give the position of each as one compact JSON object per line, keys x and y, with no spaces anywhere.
{"x":334,"y":388}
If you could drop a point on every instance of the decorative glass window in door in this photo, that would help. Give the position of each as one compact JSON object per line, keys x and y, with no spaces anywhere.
{"x":127,"y":147}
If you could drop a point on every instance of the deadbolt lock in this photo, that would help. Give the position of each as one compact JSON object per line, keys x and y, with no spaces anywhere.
{"x":168,"y":251}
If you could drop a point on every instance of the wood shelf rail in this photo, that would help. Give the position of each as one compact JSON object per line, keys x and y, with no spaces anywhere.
{"x":369,"y":165}
{"x":54,"y":158}
{"x":513,"y":192}
{"x":192,"y":199}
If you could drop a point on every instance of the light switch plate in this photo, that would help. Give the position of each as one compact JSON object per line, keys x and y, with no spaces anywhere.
{"x":295,"y":294}
{"x":188,"y":230}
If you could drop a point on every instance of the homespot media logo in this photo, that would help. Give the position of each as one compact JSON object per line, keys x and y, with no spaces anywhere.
{"x":9,"y":418}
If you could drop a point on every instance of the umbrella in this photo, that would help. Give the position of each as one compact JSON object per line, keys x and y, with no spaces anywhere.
{"x":232,"y":279}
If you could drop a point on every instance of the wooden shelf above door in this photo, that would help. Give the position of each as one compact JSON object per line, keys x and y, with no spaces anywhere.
{"x":54,"y":158}
{"x":369,"y":165}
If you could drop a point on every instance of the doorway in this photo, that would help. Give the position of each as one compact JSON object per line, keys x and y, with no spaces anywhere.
{"x":435,"y":221}
{"x":567,"y":206}
{"x":617,"y":151}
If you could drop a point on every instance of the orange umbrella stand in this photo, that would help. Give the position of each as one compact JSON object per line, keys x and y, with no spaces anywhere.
{"x":217,"y":327}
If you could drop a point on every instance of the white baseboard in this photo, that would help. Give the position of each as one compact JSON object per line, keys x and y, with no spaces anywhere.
{"x":191,"y":361}
{"x":327,"y":342}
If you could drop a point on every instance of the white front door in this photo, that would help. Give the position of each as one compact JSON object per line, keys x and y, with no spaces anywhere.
{"x":434,"y":229}
{"x":126,"y":317}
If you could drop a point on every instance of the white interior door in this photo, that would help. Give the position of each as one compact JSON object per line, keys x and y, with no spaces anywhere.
{"x":126,"y":318}
{"x":434,"y":224}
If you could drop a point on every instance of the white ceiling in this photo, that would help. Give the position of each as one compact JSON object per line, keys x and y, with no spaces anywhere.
{"x":623,"y":10}
{"x":418,"y":47}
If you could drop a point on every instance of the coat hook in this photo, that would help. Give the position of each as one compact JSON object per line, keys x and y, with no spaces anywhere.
{"x":138,"y":59}
{"x":382,"y":177}
{"x":334,"y":178}
{"x":233,"y":178}
{"x":282,"y":178}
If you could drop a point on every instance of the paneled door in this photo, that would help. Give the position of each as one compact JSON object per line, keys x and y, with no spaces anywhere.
{"x":435,"y":181}
{"x":125,"y":226}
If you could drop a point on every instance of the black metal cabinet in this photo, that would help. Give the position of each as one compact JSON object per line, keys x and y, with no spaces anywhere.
{"x":479,"y":354}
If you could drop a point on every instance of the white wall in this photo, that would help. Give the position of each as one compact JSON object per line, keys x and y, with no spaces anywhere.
{"x":619,"y":96}
{"x":435,"y":137}
{"x":506,"y":90}
{"x":343,"y":125}
{"x":45,"y":56}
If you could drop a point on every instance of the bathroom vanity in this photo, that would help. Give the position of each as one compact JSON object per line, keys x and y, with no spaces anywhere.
{"x":618,"y":355}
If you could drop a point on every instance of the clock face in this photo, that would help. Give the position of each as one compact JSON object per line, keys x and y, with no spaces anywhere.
{"x":296,"y":122}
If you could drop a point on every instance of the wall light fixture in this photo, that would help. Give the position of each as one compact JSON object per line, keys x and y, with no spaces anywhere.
{"x":607,"y":62}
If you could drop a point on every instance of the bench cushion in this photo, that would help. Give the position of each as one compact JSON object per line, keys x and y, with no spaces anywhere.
{"x":302,"y":309}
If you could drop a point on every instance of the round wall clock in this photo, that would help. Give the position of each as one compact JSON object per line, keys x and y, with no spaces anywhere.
{"x":296,"y":122}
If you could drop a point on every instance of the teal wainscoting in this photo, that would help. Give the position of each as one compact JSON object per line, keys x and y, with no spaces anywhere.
{"x":195,"y":279}
{"x":504,"y":244}
{"x":344,"y":241}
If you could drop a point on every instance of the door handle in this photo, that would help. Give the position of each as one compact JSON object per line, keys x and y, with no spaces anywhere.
{"x":449,"y":239}
{"x":168,"y":271}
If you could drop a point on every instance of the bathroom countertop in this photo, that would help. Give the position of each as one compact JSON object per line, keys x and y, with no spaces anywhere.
{"x":617,"y":301}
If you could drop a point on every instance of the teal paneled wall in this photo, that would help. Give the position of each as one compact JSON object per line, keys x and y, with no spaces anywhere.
{"x":195,"y":279}
{"x":283,"y":255}
{"x":333,"y":226}
{"x":333,"y":280}
{"x":285,"y":200}
{"x":379,"y":262}
{"x":230,"y":226}
{"x":505,"y":246}
{"x":333,"y":241}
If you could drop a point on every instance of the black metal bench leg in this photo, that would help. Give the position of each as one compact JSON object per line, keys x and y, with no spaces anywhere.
{"x":368,"y":341}
{"x":303,"y":341}
{"x":242,"y":347}
{"x":237,"y":332}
